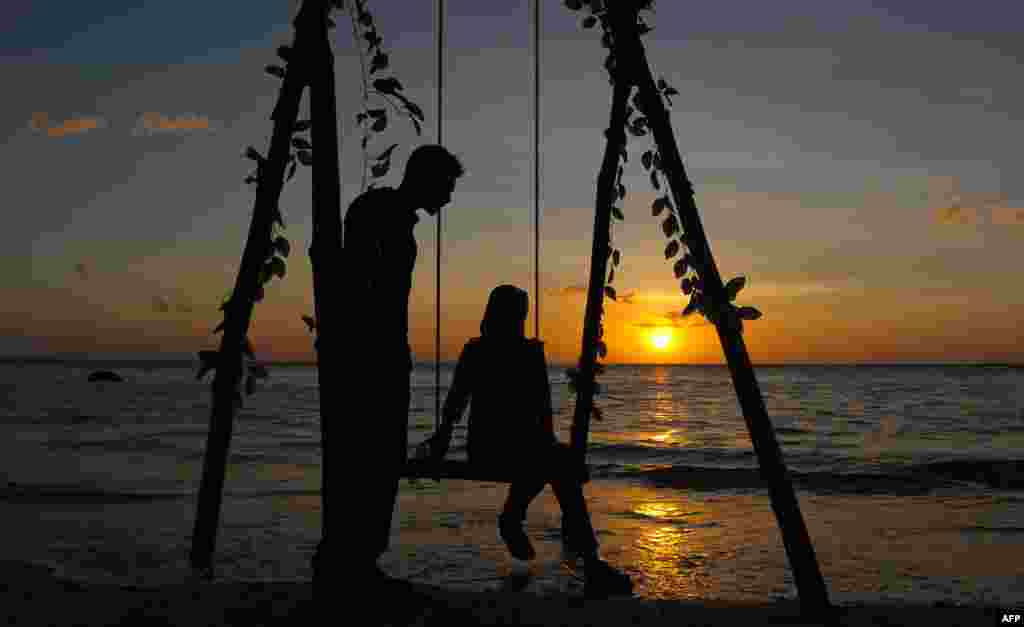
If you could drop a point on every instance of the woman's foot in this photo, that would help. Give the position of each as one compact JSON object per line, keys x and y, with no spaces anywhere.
{"x":601,"y":580}
{"x":515,"y":538}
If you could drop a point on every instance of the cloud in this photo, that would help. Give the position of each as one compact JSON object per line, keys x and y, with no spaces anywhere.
{"x":82,"y":270}
{"x":954,"y":206}
{"x":673,"y":320}
{"x":41,"y":122}
{"x":152,"y":122}
{"x":1007,"y":215}
{"x":956,"y":215}
{"x":161,"y":305}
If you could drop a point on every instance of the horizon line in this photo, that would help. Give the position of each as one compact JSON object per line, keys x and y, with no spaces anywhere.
{"x":192,"y":360}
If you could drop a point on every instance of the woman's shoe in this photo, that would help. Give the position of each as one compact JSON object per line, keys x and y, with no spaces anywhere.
{"x":601,"y":580}
{"x":515,"y":538}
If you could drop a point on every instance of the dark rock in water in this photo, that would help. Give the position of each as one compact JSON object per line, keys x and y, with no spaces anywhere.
{"x":105,"y":375}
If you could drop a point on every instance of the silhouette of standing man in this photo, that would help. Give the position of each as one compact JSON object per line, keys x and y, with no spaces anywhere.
{"x":380,"y":254}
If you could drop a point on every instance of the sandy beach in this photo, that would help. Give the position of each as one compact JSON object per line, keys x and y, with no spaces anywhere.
{"x":32,"y":596}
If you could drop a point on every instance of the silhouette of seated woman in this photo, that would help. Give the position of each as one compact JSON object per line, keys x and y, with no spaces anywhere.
{"x":510,"y":425}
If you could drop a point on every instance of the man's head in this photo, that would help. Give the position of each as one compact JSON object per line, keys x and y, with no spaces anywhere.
{"x":430,"y":176}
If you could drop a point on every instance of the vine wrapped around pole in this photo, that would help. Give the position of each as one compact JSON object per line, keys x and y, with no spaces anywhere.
{"x":715,"y":305}
{"x":259,"y":246}
{"x":600,"y":251}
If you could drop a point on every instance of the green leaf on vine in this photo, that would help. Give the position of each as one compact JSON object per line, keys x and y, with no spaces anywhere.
{"x":387,"y":85}
{"x":276,"y":266}
{"x":672,"y":249}
{"x":609,"y":291}
{"x":276,"y":70}
{"x":659,"y":205}
{"x":282,"y":246}
{"x":617,"y":213}
{"x":305,"y":157}
{"x":669,"y":226}
{"x":379,"y":62}
{"x":301,"y":144}
{"x":748,"y":313}
{"x":733,"y":287}
{"x":309,"y":323}
{"x":680,"y":267}
{"x":694,"y":305}
{"x":386,"y":155}
{"x":413,"y":109}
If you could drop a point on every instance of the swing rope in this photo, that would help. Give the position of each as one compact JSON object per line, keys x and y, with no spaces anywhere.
{"x":437,"y":238}
{"x":440,"y":45}
{"x":536,"y":169}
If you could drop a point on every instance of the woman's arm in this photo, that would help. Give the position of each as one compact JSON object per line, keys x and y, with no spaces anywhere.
{"x":459,"y":391}
{"x":544,"y":388}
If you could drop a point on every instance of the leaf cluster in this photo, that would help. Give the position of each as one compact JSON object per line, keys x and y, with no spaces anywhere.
{"x":385,"y":88}
{"x":210,"y":360}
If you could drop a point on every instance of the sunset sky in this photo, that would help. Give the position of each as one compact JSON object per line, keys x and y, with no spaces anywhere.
{"x":858,"y":161}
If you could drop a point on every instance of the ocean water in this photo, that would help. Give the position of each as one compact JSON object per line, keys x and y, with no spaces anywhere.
{"x":911,"y":479}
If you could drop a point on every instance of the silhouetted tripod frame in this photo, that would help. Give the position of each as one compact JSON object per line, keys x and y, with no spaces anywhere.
{"x":312,"y":65}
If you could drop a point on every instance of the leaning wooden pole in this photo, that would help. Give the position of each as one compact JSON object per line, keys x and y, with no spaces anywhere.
{"x":238,"y":309}
{"x":811,"y":585}
{"x":326,"y":248}
{"x":614,"y":145}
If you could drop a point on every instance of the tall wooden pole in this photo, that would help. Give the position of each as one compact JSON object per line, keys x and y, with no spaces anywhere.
{"x":811,"y":585}
{"x":325,"y":252}
{"x":601,"y":249}
{"x":238,"y":310}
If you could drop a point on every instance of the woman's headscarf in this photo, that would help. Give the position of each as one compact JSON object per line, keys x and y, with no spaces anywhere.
{"x":505,"y":316}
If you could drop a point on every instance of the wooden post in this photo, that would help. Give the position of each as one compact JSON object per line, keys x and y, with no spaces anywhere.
{"x":811,"y":586}
{"x":238,"y":310}
{"x":601,"y":249}
{"x":326,"y":248}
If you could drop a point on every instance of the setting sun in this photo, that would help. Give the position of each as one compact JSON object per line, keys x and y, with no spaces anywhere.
{"x":661,"y":338}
